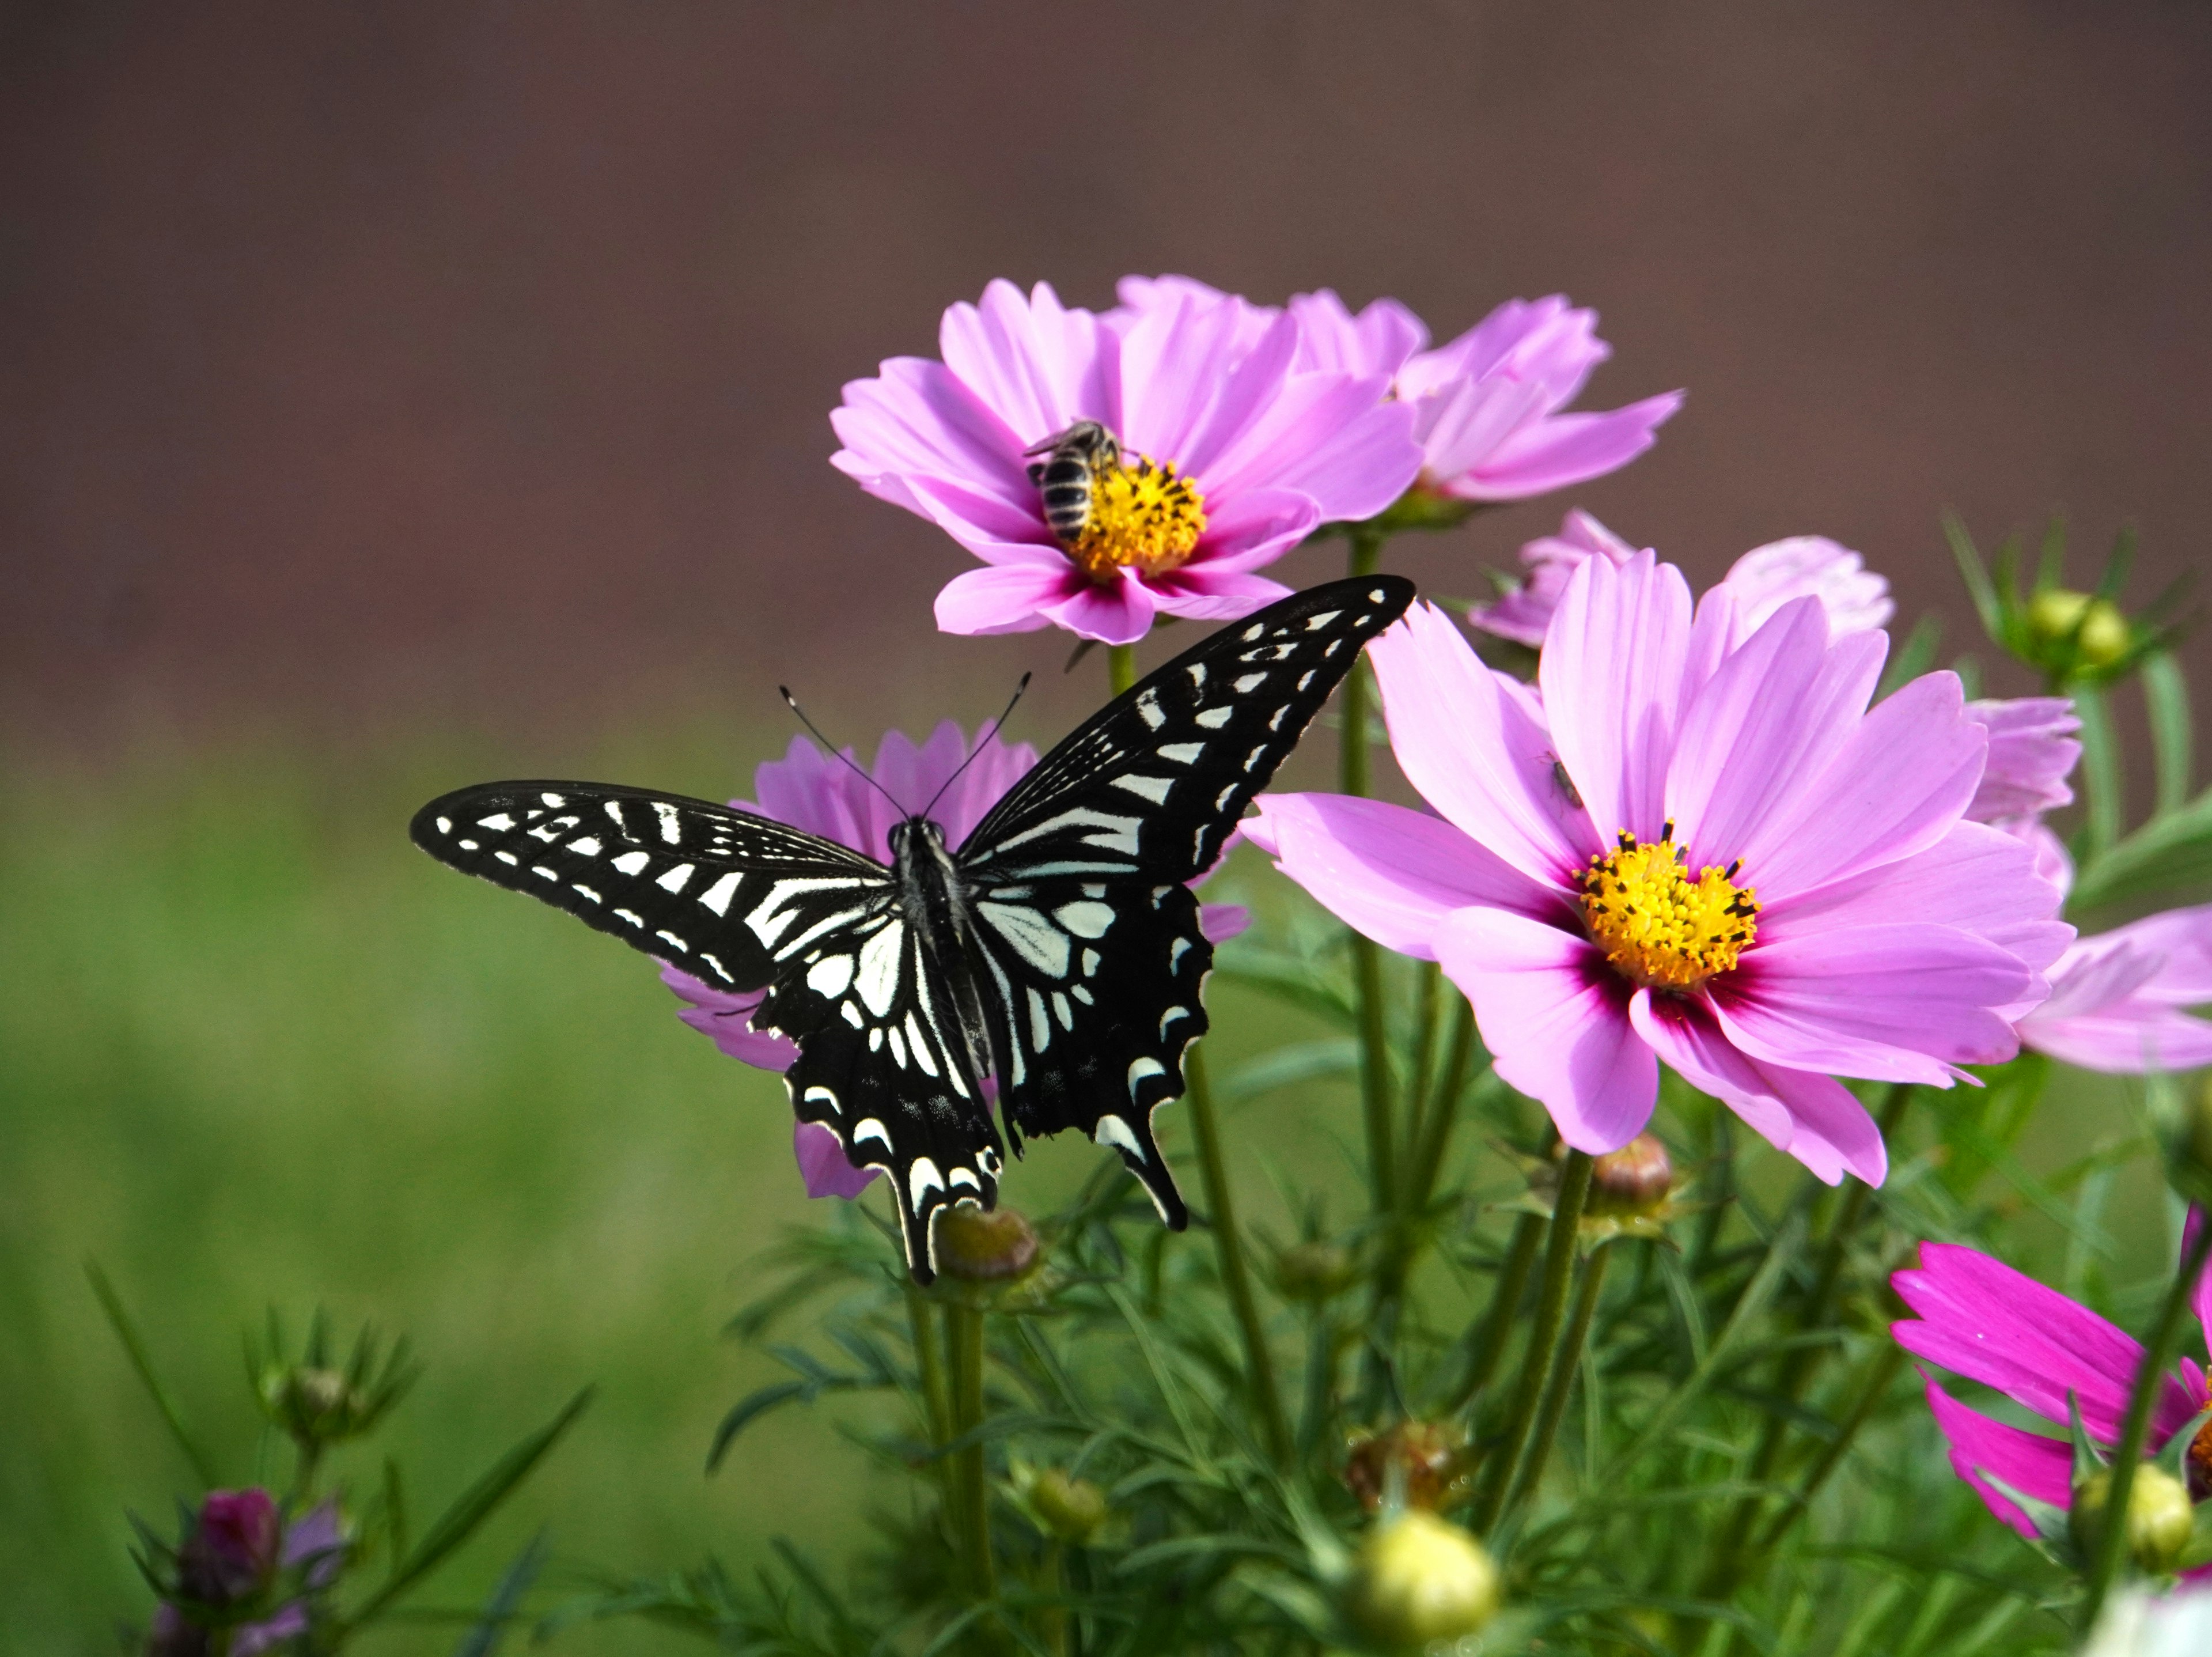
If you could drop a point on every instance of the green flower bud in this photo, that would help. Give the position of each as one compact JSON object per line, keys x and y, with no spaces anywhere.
{"x":1071,"y":1508}
{"x":980,"y":1247}
{"x":1420,"y":1580}
{"x":1634,"y":1179}
{"x":2105,"y":636}
{"x":2160,"y":1516}
{"x":1315,"y":1271}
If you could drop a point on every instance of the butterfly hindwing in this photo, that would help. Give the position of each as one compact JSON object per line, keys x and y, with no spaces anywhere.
{"x":1098,"y":985}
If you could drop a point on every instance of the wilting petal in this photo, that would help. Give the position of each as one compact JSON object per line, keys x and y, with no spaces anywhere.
{"x":823,"y":1163}
{"x":1555,"y":1019}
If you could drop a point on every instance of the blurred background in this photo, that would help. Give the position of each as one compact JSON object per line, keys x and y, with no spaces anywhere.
{"x":396,"y":395}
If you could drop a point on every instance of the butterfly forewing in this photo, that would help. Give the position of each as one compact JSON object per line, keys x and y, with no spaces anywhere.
{"x":1078,"y":875}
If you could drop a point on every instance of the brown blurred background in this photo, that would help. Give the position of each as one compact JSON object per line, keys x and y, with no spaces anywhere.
{"x":435,"y":362}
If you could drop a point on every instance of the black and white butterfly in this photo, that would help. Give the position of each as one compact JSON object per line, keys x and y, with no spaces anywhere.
{"x":1057,"y":949}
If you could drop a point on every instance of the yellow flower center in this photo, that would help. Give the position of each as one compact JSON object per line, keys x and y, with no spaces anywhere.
{"x":1658,"y":927}
{"x":1142,"y":516}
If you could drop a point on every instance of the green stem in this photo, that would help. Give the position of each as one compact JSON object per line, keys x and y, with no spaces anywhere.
{"x":1229,"y":1249}
{"x":1443,"y":1114}
{"x":1121,"y":666}
{"x":1427,"y":980}
{"x":963,"y":1349}
{"x":1486,"y":1341}
{"x":2150,"y":1377}
{"x":1543,"y":1337}
{"x":1563,"y":1374}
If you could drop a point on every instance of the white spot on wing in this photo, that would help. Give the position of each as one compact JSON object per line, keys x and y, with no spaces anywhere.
{"x":1214,"y":718}
{"x":869,"y":1127}
{"x":1139,"y":1068}
{"x":830,"y":976}
{"x":587,"y":892}
{"x":499,"y":821}
{"x":671,"y":938}
{"x":676,"y":879}
{"x":898,"y":1043}
{"x":822,"y":1096}
{"x":1040,"y":1023}
{"x":1314,"y":624}
{"x":851,"y":1015}
{"x":555,"y":800}
{"x":1148,"y":708}
{"x":445,"y":825}
{"x":1112,"y":1130}
{"x":508,"y":858}
{"x":1062,"y":1011}
{"x":922,"y":1178}
{"x":919,"y":1047}
{"x":586,"y":847}
{"x":633,"y":863}
{"x":1250,"y":682}
{"x":1170,"y":1016}
{"x":1154,"y":788}
{"x":879,"y":968}
{"x":1180,"y":753}
{"x":1084,"y":918}
{"x":717,"y":897}
{"x":671,"y":828}
{"x":1035,"y":939}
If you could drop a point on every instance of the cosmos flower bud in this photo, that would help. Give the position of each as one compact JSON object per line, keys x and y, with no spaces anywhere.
{"x":1071,"y":1508}
{"x":977,"y":1246}
{"x":1634,"y":1179}
{"x":2160,"y":1516}
{"x":311,"y":1401}
{"x":1420,"y":1580}
{"x":1413,"y":1465}
{"x":1315,"y":1272}
{"x":233,"y":1549}
{"x":2104,"y":636}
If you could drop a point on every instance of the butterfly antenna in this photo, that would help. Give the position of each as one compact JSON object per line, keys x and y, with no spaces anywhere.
{"x":982,"y":737}
{"x":851,"y":765}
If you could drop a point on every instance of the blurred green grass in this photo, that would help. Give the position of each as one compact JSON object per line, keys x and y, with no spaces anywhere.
{"x":256,"y":1050}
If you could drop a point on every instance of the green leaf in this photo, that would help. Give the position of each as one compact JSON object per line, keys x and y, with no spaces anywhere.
{"x":135,"y":1347}
{"x":1301,"y":1060}
{"x":471,"y":1508}
{"x":2173,"y":850}
{"x":484,"y":1639}
{"x":1915,"y":657}
{"x":751,"y":1407}
{"x":1976,"y":576}
{"x":2101,"y":773}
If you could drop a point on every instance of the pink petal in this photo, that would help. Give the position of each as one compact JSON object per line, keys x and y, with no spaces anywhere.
{"x":1010,"y":599}
{"x":2132,"y":1039}
{"x":1979,"y":880}
{"x":1031,"y":361}
{"x":1892,"y":1003}
{"x":915,"y":419}
{"x":2181,"y":941}
{"x":726,"y":1020}
{"x":1220,"y":922}
{"x":1993,"y":1324}
{"x":1812,"y":1118}
{"x":1472,"y":752}
{"x":1203,"y":592}
{"x":2200,"y":1298}
{"x":1461,"y":425}
{"x":1896,"y":787}
{"x":1565,"y":450}
{"x":1248,"y":530}
{"x":1554,"y":1017}
{"x":1391,"y":874}
{"x":1331,"y":438}
{"x":1853,"y":598}
{"x":2032,"y":749}
{"x":1374,"y":342}
{"x":1611,"y":669}
{"x":1190,"y":384}
{"x":823,"y":1165}
{"x":1118,"y":613}
{"x":1774,"y":715}
{"x":2035,"y":1466}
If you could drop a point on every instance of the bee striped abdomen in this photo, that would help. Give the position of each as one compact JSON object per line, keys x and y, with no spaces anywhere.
{"x":1064,"y":487}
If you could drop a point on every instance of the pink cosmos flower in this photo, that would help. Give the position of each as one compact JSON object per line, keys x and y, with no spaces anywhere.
{"x":827,"y":796}
{"x":1978,"y":1317}
{"x":1229,"y":454}
{"x":1485,"y":407}
{"x":1693,"y":846}
{"x":2032,"y":749}
{"x":234,"y":1551}
{"x":2117,"y":999}
{"x":1761,"y":581}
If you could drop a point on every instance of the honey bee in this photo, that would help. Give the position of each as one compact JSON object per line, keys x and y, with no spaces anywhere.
{"x":1063,"y":477}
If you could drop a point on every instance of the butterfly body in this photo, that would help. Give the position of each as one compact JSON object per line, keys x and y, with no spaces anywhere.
{"x":1056,"y":953}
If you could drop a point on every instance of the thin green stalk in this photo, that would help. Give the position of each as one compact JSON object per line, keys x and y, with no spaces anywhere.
{"x":1563,"y":1375}
{"x":1366,"y":960}
{"x":2166,"y":697}
{"x":1734,"y":1558}
{"x":2150,"y":1376}
{"x":1543,"y":1337}
{"x":963,"y":1352}
{"x":1443,"y":1114}
{"x":1229,"y":1250}
{"x":1428,"y":979}
{"x":1882,"y":1373}
{"x":1121,"y":666}
{"x":929,"y":1363}
{"x":1486,"y":1341}
{"x":2100,"y":770}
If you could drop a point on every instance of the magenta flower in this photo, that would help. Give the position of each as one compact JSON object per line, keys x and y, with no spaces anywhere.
{"x":1761,"y":581}
{"x":233,"y":1554}
{"x":823,"y":795}
{"x":1691,"y":848}
{"x":1978,"y":1317}
{"x":2032,"y":749}
{"x":1485,"y":407}
{"x":1228,"y":455}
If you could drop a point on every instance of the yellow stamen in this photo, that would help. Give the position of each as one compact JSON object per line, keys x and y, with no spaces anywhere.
{"x":1657,"y":926}
{"x":1143,"y":516}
